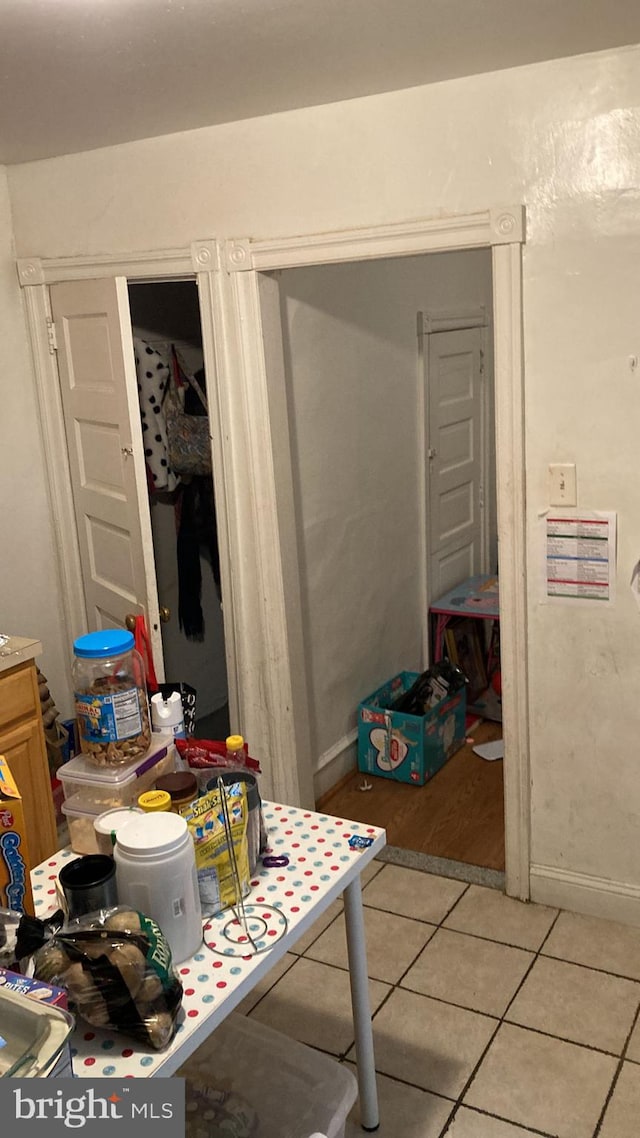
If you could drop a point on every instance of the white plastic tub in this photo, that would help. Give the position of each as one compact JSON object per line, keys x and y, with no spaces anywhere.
{"x":247,"y":1080}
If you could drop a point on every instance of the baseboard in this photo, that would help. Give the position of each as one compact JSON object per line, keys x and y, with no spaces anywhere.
{"x":334,"y":764}
{"x":582,"y":893}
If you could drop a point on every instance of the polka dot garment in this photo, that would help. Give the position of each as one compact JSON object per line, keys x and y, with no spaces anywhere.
{"x":321,"y":862}
{"x":153,"y":373}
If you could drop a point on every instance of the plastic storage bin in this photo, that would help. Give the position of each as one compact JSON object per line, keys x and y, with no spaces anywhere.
{"x":92,"y":790}
{"x":247,"y":1079}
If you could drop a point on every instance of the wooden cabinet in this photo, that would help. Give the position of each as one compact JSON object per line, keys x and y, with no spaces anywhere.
{"x":23,"y":744}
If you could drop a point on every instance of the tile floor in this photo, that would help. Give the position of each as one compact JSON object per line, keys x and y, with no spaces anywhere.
{"x":492,"y":1019}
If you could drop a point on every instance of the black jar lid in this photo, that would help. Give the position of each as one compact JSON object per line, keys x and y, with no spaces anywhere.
{"x":179,"y":785}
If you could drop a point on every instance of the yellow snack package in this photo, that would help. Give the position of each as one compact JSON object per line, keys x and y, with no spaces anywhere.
{"x":206,"y":821}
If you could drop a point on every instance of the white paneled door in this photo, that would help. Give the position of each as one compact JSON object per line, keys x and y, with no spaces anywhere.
{"x":455,"y":456}
{"x":106,"y":454}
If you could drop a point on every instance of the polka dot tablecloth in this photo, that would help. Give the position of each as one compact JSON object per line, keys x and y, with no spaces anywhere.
{"x":321,"y":864}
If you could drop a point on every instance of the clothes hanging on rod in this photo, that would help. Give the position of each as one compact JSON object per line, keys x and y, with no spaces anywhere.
{"x":197,"y":537}
{"x":193,"y":496}
{"x":153,"y":372}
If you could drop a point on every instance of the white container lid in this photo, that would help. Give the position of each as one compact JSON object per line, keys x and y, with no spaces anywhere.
{"x":111,"y":820}
{"x":82,"y":770}
{"x":151,"y":834}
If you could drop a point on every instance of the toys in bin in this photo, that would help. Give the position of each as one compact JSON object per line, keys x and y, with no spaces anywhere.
{"x":409,"y":727}
{"x":430,"y":688}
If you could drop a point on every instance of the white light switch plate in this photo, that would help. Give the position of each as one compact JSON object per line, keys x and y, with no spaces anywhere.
{"x":562,"y":484}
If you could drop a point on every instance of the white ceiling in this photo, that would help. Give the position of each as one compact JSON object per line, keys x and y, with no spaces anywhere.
{"x":81,"y":74}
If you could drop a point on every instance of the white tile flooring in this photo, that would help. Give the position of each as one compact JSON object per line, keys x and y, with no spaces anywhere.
{"x":491,"y":1018}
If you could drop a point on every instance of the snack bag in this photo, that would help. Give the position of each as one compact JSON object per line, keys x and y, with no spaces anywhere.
{"x":206,"y":822}
{"x":116,"y":966}
{"x":206,"y":756}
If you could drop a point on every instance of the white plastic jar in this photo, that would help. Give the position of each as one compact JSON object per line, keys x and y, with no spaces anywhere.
{"x":156,"y":874}
{"x":111,"y":697}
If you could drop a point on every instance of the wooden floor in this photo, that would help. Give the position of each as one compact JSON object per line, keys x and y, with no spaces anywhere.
{"x":458,"y":814}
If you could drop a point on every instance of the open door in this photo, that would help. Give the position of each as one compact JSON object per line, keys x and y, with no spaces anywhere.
{"x":456,"y":475}
{"x":106,"y":456}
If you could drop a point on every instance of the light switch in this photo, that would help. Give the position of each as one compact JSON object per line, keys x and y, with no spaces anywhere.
{"x":562,"y":484}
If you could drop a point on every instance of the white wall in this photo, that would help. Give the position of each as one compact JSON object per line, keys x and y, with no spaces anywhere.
{"x":562,"y":137}
{"x":29,"y":587}
{"x":351,"y":350}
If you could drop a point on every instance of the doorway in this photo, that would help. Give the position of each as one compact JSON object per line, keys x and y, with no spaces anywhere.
{"x":391,"y":421}
{"x":147,"y":533}
{"x":165,"y":318}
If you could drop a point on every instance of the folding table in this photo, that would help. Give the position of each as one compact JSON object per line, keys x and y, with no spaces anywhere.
{"x":322,"y":865}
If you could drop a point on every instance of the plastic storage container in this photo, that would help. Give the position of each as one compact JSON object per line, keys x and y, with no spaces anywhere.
{"x":273,"y":1086}
{"x":106,"y":826}
{"x":82,"y":836}
{"x":111,"y":697}
{"x":94,"y":790}
{"x":34,"y":1035}
{"x":90,"y":791}
{"x":156,"y":874}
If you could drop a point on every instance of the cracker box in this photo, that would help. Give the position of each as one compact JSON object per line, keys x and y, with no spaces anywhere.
{"x":408,"y":748}
{"x":15,"y":885}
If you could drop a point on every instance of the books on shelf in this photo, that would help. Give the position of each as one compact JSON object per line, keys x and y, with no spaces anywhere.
{"x":464,"y":647}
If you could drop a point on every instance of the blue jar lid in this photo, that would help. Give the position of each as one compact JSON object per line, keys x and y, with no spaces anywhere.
{"x":106,"y":642}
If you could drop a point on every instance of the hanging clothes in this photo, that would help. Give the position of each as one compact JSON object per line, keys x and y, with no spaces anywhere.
{"x":197,"y":536}
{"x":153,"y":372}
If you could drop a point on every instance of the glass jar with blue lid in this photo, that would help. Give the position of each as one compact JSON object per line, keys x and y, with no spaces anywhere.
{"x":111,"y":697}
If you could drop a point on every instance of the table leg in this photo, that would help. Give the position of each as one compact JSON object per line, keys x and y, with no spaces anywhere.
{"x":357,"y":951}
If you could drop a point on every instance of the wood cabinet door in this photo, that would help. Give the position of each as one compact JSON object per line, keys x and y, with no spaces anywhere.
{"x":24,"y":751}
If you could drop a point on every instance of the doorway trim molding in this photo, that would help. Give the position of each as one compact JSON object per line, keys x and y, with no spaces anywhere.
{"x":270,"y":663}
{"x":503,"y":231}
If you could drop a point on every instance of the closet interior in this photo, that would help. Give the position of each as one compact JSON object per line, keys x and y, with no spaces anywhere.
{"x":167,"y":335}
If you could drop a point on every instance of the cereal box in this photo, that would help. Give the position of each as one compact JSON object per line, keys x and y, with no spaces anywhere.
{"x":15,"y":886}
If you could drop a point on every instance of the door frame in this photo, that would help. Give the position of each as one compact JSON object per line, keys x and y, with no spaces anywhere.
{"x":430,"y":322}
{"x":264,"y":630}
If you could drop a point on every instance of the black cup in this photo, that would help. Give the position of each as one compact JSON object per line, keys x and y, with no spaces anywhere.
{"x":89,"y":884}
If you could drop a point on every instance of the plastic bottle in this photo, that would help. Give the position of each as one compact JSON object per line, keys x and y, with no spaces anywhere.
{"x":167,"y":714}
{"x":156,"y":874}
{"x":236,"y":755}
{"x":110,"y":696}
{"x":235,"y":750}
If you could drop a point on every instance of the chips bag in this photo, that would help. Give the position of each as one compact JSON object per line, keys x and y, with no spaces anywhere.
{"x":205,"y":819}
